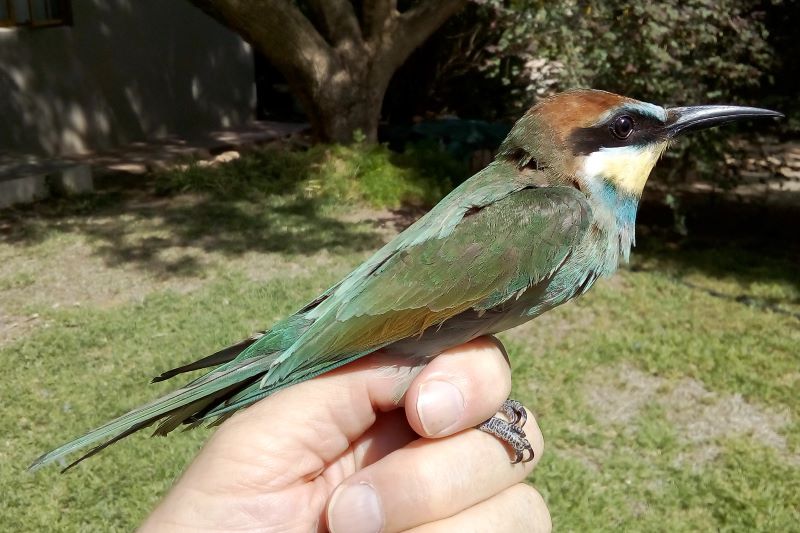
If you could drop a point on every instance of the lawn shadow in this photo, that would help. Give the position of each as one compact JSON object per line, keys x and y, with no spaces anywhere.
{"x":131,"y":225}
{"x":126,"y":223}
{"x":725,"y":240}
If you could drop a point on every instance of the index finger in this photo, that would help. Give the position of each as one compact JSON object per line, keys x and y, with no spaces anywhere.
{"x":300,"y":429}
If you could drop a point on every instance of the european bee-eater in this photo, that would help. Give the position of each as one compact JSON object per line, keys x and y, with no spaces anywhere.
{"x":550,"y":215}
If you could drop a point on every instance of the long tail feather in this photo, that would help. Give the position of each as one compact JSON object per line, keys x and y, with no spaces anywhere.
{"x":225,"y":355}
{"x":200,"y":396}
{"x":111,"y":441}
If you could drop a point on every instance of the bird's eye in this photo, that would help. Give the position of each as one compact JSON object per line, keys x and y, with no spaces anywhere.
{"x":622,"y":127}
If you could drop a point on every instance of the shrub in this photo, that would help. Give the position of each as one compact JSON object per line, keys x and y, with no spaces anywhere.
{"x":332,"y":174}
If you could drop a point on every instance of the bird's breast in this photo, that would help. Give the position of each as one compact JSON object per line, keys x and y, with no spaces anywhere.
{"x":596,"y":255}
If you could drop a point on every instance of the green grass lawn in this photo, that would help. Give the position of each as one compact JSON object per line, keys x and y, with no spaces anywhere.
{"x":668,"y":396}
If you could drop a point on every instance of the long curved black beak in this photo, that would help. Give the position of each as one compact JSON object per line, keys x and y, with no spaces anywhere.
{"x":681,"y":120}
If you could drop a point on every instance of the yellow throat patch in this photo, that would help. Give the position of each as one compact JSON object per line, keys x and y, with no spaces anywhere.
{"x":626,"y":167}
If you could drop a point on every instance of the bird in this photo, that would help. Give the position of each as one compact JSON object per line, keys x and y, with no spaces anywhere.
{"x":550,"y":215}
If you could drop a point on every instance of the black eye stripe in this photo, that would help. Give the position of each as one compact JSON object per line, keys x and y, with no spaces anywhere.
{"x":644,"y":130}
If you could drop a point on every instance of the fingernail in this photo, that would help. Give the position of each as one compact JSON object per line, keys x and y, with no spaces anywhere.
{"x":356,"y":509}
{"x":439,"y":406}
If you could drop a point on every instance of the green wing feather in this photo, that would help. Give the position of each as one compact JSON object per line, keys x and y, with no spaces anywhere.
{"x":491,"y":255}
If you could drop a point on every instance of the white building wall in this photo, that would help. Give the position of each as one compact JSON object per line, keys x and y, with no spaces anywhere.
{"x":126,"y":70}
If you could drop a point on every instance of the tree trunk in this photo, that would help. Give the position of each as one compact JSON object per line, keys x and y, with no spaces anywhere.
{"x":343,"y":111}
{"x":346,"y":116}
{"x":338,"y":63}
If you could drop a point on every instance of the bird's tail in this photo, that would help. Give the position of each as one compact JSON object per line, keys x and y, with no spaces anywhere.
{"x":243,"y":366}
{"x":185,"y":405}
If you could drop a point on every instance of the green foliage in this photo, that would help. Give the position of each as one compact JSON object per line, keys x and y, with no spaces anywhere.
{"x":670,"y":52}
{"x":257,"y":172}
{"x":372,"y":173}
{"x":359,"y":173}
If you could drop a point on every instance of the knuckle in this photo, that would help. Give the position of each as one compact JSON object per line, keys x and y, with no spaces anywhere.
{"x":532,"y":507}
{"x":491,"y":373}
{"x":526,"y":496}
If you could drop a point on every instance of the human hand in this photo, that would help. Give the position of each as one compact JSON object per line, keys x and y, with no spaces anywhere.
{"x":338,"y":453}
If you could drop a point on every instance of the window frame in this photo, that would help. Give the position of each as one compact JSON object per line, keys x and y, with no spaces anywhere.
{"x":11,"y":21}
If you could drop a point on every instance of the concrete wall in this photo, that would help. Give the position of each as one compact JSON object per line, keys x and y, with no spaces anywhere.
{"x":126,"y":70}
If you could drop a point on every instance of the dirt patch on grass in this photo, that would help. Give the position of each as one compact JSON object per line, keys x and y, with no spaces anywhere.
{"x":389,"y":222}
{"x":701,"y":418}
{"x":260,"y":268}
{"x":15,"y":327}
{"x":70,"y":273}
{"x":60,"y":256}
{"x":554,"y":326}
{"x":619,"y":397}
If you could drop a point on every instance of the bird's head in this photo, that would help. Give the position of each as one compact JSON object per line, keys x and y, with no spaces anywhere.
{"x":595,"y":139}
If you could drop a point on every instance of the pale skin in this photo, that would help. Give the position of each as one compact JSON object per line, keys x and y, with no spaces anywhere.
{"x":339,"y":454}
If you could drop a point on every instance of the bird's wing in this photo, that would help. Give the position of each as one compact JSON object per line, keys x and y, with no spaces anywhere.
{"x":493,"y":253}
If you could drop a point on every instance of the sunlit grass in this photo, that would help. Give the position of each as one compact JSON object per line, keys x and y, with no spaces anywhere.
{"x":665,"y":408}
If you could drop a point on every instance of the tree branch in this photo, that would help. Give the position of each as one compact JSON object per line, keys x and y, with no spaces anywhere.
{"x":340,"y":81}
{"x":375,"y":14}
{"x":337,"y":19}
{"x":415,"y":26}
{"x":280,"y":31}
